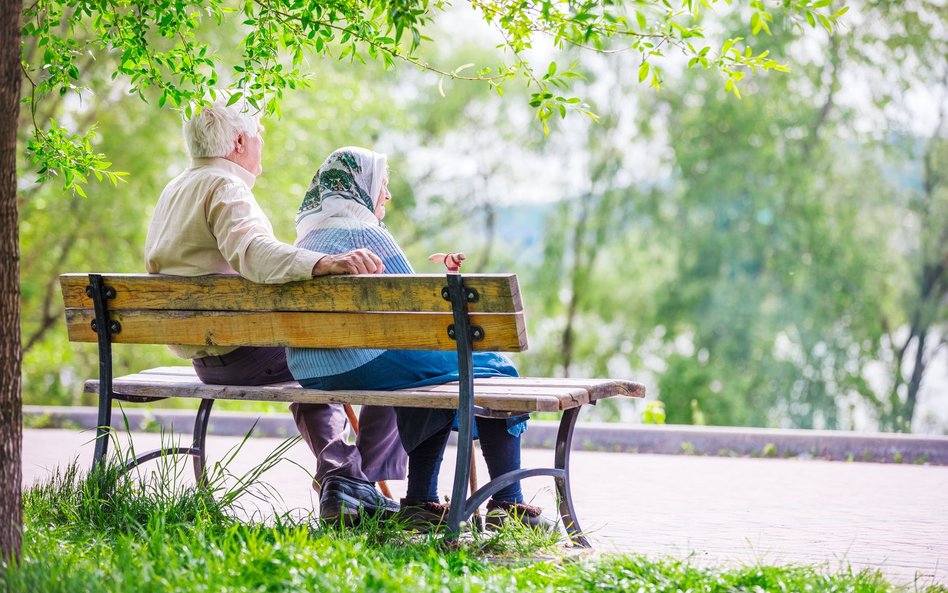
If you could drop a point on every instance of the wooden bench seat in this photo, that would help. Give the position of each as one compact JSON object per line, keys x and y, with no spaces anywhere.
{"x":493,"y":396}
{"x":480,"y":312}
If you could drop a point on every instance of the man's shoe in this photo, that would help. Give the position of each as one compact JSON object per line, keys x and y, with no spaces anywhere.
{"x":344,"y":499}
{"x":500,"y":512}
{"x":423,"y":516}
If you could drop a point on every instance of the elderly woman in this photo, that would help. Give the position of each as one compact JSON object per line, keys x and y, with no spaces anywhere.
{"x":343,"y":210}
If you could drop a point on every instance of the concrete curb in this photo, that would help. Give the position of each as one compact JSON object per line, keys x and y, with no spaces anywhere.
{"x":746,"y":441}
{"x":637,"y":438}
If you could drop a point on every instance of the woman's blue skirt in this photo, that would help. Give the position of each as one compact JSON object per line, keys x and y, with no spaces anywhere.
{"x":406,"y":369}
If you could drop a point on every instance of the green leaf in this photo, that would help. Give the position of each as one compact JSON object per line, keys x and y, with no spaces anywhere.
{"x":642,"y":21}
{"x":728,"y":44}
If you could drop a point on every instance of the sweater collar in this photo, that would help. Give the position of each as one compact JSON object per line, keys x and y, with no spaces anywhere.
{"x":229,"y":166}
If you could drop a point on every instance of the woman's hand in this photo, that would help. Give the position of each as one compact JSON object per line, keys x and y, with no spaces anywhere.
{"x":452,"y":261}
{"x":358,"y":261}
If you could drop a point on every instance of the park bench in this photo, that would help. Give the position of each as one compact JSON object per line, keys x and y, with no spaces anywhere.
{"x":471,"y":312}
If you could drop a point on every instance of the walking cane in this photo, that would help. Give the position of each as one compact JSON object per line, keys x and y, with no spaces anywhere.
{"x":354,"y":422}
{"x":452,"y":261}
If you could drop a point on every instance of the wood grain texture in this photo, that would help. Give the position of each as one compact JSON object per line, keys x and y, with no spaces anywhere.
{"x":292,"y":392}
{"x":389,"y":311}
{"x":498,"y":293}
{"x":511,"y":394}
{"x":596,"y":388}
{"x":406,"y":331}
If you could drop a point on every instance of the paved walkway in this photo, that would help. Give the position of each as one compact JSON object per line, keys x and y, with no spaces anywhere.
{"x":713,"y":510}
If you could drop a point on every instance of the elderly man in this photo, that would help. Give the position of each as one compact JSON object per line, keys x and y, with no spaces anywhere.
{"x":207,"y":221}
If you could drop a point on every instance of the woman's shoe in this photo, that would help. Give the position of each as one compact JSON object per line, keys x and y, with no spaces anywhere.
{"x":422,"y":516}
{"x":499,"y":512}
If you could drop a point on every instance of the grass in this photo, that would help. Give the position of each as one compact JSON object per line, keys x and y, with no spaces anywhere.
{"x":105,"y":532}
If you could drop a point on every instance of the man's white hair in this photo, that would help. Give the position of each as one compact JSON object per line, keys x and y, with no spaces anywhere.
{"x":211,"y":131}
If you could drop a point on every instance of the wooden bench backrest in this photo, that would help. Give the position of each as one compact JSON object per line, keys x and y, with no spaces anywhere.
{"x":381,"y":311}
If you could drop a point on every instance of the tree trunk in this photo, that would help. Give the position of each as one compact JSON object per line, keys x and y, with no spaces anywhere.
{"x":578,"y":246}
{"x":932,"y":278}
{"x":11,"y":513}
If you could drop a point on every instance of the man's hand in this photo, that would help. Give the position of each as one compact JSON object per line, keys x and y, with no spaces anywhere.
{"x":359,"y":261}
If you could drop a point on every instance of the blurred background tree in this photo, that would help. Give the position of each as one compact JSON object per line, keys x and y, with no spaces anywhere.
{"x":79,"y":59}
{"x":777,"y":260}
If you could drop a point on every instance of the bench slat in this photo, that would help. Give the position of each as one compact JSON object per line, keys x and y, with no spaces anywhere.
{"x":498,"y":293}
{"x":574,"y":395}
{"x":524,"y":394}
{"x":292,"y":392}
{"x":596,"y":388}
{"x":408,"y":331}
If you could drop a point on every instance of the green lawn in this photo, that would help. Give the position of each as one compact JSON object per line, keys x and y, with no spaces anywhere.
{"x":102,"y":533}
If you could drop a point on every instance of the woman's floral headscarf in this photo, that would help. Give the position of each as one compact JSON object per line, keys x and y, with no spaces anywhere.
{"x":348,"y":183}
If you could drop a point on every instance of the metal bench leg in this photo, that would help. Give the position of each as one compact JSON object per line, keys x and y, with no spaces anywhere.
{"x":462,"y":469}
{"x":103,"y":428}
{"x":197,"y":450}
{"x":564,"y":440}
{"x":160,"y":453}
{"x":200,"y":438}
{"x":461,"y":331}
{"x":104,"y":328}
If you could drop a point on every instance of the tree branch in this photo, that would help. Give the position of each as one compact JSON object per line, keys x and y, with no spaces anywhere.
{"x":49,"y":316}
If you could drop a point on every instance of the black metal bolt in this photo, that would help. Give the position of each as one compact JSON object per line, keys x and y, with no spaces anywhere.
{"x":114,"y":326}
{"x":109,"y":292}
{"x":451,"y":332}
{"x":477,"y":333}
{"x":445,"y":294}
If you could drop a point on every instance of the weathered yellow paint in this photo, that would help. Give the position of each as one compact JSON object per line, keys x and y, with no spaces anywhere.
{"x":408,"y":331}
{"x":499,"y":293}
{"x":387,"y":311}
